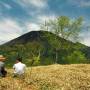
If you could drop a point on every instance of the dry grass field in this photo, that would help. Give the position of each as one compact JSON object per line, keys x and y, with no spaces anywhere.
{"x":52,"y":77}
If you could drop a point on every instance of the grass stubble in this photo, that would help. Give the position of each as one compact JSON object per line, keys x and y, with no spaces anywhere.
{"x":52,"y":77}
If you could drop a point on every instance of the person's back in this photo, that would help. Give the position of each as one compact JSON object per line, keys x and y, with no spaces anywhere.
{"x":19,"y":67}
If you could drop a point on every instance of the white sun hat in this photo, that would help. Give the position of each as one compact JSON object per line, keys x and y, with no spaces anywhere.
{"x":2,"y":58}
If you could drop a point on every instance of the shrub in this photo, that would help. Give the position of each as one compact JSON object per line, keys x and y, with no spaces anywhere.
{"x":75,"y":57}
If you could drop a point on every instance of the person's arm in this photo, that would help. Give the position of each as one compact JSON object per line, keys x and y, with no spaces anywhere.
{"x":14,"y":66}
{"x":24,"y":67}
{"x":2,"y":66}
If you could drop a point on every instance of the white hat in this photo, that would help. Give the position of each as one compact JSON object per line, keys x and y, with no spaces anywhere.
{"x":2,"y":58}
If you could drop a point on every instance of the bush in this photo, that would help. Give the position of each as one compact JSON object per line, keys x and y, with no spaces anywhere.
{"x":75,"y":57}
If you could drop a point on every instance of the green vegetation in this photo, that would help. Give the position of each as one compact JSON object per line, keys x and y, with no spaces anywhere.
{"x":50,"y":46}
{"x":42,"y":51}
{"x":63,"y":27}
{"x":75,"y":57}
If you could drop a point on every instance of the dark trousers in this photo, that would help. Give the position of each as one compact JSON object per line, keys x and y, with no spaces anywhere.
{"x":3,"y":72}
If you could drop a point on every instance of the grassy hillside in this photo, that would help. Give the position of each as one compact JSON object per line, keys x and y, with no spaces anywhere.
{"x":41,"y":47}
{"x":52,"y":77}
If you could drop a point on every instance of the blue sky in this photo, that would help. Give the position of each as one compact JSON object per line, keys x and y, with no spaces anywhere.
{"x":21,"y":16}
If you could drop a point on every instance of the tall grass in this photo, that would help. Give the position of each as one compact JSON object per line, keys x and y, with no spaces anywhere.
{"x":53,"y":77}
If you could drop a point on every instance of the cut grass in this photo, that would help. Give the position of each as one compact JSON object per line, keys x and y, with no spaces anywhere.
{"x":52,"y":77}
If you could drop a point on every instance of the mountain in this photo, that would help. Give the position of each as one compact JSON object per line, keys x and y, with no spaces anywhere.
{"x":41,"y":36}
{"x":43,"y":47}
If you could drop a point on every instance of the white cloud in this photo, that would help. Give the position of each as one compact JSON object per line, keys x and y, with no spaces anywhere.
{"x":85,"y":4}
{"x":6,"y":6}
{"x":32,"y":27}
{"x":40,"y":19}
{"x":86,"y":41}
{"x":35,"y":3}
{"x":85,"y":37}
{"x":43,"y":18}
{"x":9,"y":30}
{"x":38,"y":3}
{"x":80,"y":3}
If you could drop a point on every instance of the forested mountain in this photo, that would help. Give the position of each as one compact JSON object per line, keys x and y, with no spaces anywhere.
{"x":43,"y":48}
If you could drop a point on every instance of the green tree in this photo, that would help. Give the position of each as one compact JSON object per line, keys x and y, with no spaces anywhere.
{"x":64,"y":27}
{"x":75,"y":57}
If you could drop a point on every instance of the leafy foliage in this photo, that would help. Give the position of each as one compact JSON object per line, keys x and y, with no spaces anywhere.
{"x":40,"y":50}
{"x":49,"y":46}
{"x":75,"y":57}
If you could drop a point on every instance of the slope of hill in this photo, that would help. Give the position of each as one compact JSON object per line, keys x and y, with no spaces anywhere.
{"x":42,"y":46}
{"x":39,"y":36}
{"x":52,"y":77}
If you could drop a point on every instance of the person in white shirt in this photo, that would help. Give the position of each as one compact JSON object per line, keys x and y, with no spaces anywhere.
{"x":19,"y":67}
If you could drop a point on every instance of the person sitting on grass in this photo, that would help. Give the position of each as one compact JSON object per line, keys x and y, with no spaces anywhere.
{"x":3,"y":72}
{"x":19,"y":68}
